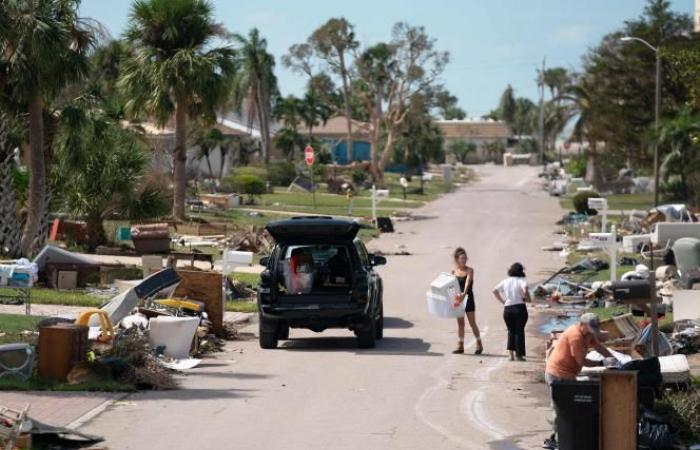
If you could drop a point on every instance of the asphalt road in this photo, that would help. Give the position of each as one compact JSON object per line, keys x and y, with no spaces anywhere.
{"x":318,"y":391}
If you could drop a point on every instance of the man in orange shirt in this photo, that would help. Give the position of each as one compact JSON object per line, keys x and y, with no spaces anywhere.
{"x":568,"y":356}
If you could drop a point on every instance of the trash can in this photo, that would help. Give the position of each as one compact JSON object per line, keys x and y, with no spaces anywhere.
{"x":577,"y":404}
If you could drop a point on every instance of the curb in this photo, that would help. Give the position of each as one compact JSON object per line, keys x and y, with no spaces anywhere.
{"x":94,"y":412}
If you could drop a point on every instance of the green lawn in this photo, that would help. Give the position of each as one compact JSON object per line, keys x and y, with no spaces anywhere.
{"x":607,"y":313}
{"x":249,"y":306}
{"x":45,"y":296}
{"x":12,"y":326}
{"x":619,"y":202}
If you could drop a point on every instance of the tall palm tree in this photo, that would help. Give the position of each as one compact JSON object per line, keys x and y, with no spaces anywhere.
{"x":44,"y":49}
{"x":314,"y":111}
{"x":171,"y":69}
{"x":256,"y":83}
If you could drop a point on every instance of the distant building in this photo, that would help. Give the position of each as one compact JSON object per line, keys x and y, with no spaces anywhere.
{"x":162,"y":142}
{"x":478,"y":131}
{"x":334,"y":132}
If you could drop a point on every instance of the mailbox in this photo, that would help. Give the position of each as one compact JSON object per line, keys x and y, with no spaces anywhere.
{"x":633,"y":290}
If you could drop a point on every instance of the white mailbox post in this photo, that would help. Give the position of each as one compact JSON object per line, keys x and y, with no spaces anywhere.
{"x":609,"y":242}
{"x":600,"y":204}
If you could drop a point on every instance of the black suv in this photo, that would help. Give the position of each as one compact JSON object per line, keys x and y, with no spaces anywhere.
{"x":319,"y":276}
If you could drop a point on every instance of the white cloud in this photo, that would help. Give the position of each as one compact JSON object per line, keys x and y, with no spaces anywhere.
{"x":571,"y":34}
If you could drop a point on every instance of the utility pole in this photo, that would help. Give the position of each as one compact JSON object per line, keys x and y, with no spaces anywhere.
{"x":541,"y":118}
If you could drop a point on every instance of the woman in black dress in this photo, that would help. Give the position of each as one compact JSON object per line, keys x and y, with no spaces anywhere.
{"x":465,"y":277}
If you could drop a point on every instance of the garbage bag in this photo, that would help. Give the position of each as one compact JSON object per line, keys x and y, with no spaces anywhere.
{"x":654,"y":436}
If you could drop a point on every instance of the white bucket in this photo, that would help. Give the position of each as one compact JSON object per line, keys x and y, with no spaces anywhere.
{"x":175,"y":333}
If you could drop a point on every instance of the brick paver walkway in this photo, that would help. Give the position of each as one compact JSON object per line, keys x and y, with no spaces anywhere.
{"x":56,"y":408}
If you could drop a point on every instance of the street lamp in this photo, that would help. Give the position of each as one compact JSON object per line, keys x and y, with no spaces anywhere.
{"x":657,"y":107}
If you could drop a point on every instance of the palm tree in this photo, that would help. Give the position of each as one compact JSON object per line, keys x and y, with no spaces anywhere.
{"x":584,"y":127}
{"x":314,"y":111}
{"x":10,"y":226}
{"x":172,"y":70}
{"x":207,"y":139}
{"x":681,"y":135}
{"x":43,"y":50}
{"x":256,"y":83}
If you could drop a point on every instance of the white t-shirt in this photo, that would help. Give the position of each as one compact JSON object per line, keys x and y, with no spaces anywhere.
{"x":513,"y":289}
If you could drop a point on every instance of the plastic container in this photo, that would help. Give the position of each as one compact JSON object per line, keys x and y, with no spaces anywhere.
{"x":441,"y":297}
{"x":175,"y":333}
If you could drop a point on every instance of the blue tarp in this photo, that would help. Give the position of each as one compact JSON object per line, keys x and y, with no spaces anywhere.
{"x":360,"y":152}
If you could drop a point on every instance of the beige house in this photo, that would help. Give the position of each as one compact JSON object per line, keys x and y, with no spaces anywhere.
{"x":478,"y":131}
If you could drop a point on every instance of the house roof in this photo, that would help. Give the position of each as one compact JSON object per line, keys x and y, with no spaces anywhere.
{"x":336,"y":127}
{"x":227,"y":127}
{"x":469,"y":128}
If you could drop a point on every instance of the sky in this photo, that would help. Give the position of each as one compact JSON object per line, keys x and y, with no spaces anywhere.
{"x":492,"y":43}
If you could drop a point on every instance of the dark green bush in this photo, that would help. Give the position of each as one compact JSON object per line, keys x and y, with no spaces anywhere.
{"x":581,"y":201}
{"x":251,"y":185}
{"x":358,"y":176}
{"x":281,"y":173}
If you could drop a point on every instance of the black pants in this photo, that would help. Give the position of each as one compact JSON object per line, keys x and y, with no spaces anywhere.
{"x":515,"y":317}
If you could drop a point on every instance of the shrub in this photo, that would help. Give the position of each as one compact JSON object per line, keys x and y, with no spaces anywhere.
{"x":250,"y":185}
{"x":281,"y":173}
{"x":577,"y":166}
{"x":257,"y":171}
{"x":581,"y":201}
{"x":358,"y":175}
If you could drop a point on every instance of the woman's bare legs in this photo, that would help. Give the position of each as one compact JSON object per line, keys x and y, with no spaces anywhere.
{"x":475,"y":330}
{"x":460,"y":335}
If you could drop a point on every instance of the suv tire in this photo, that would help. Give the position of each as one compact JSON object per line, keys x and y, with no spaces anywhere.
{"x":268,"y":334}
{"x":379,"y":328}
{"x":283,"y":333}
{"x":367,"y":334}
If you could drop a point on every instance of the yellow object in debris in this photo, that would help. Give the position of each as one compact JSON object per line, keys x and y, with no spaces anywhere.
{"x":106,"y":327}
{"x":192,"y":305}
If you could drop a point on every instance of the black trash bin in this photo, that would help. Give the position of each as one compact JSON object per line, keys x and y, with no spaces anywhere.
{"x":577,"y":404}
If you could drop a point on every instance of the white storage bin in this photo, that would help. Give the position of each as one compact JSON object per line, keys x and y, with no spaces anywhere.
{"x":175,"y":333}
{"x":441,"y":297}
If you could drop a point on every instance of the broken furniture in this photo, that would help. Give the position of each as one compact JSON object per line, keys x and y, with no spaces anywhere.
{"x":61,"y":347}
{"x":641,"y":293}
{"x":221,"y":201}
{"x":191,"y":257}
{"x":206,"y":288}
{"x":16,"y":361}
{"x":11,"y":422}
{"x":686,"y":252}
{"x":151,"y":238}
{"x":123,"y":304}
{"x":666,"y":232}
{"x":618,"y":410}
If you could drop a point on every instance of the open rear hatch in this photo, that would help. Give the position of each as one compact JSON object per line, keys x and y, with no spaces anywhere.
{"x":300,"y":230}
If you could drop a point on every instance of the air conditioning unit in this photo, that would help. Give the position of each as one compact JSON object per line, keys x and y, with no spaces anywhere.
{"x":16,"y":360}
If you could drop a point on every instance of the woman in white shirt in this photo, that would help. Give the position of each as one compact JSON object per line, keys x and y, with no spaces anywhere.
{"x":513,"y":293}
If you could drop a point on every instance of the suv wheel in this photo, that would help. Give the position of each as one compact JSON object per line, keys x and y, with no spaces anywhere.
{"x":379,"y":328}
{"x":367,"y":334}
{"x":268,"y":334}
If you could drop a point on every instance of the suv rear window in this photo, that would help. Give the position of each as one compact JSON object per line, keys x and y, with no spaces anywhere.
{"x":314,"y":268}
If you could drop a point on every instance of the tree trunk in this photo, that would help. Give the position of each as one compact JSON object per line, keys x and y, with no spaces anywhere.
{"x":377,"y":175}
{"x":346,"y":104}
{"x":592,"y":173}
{"x":263,"y":120}
{"x":10,"y":226}
{"x":386,"y":153}
{"x":37,"y":175}
{"x":180,"y":162}
{"x":95,"y":233}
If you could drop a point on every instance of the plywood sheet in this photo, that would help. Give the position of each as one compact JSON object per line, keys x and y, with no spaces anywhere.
{"x":618,"y":410}
{"x":206,"y":287}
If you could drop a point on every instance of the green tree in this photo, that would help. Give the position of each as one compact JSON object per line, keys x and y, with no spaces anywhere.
{"x":43,"y":47}
{"x":207,"y":139}
{"x":314,"y":111}
{"x":507,"y":106}
{"x":680,"y":139}
{"x":10,"y":226}
{"x":289,"y":110}
{"x":462,"y":150}
{"x":256,"y":83}
{"x":173,"y":70}
{"x":620,"y":78}
{"x":525,"y":117}
{"x":556,"y":79}
{"x":101,"y":167}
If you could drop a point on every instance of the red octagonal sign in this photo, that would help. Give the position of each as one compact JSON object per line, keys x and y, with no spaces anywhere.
{"x":309,"y":155}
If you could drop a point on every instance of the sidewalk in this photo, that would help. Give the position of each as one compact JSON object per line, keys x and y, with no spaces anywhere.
{"x":60,"y":408}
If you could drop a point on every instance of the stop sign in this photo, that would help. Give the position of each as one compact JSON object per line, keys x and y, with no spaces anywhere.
{"x":309,"y":155}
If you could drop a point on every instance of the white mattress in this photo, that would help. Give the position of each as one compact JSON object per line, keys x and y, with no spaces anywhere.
{"x":674,"y":369}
